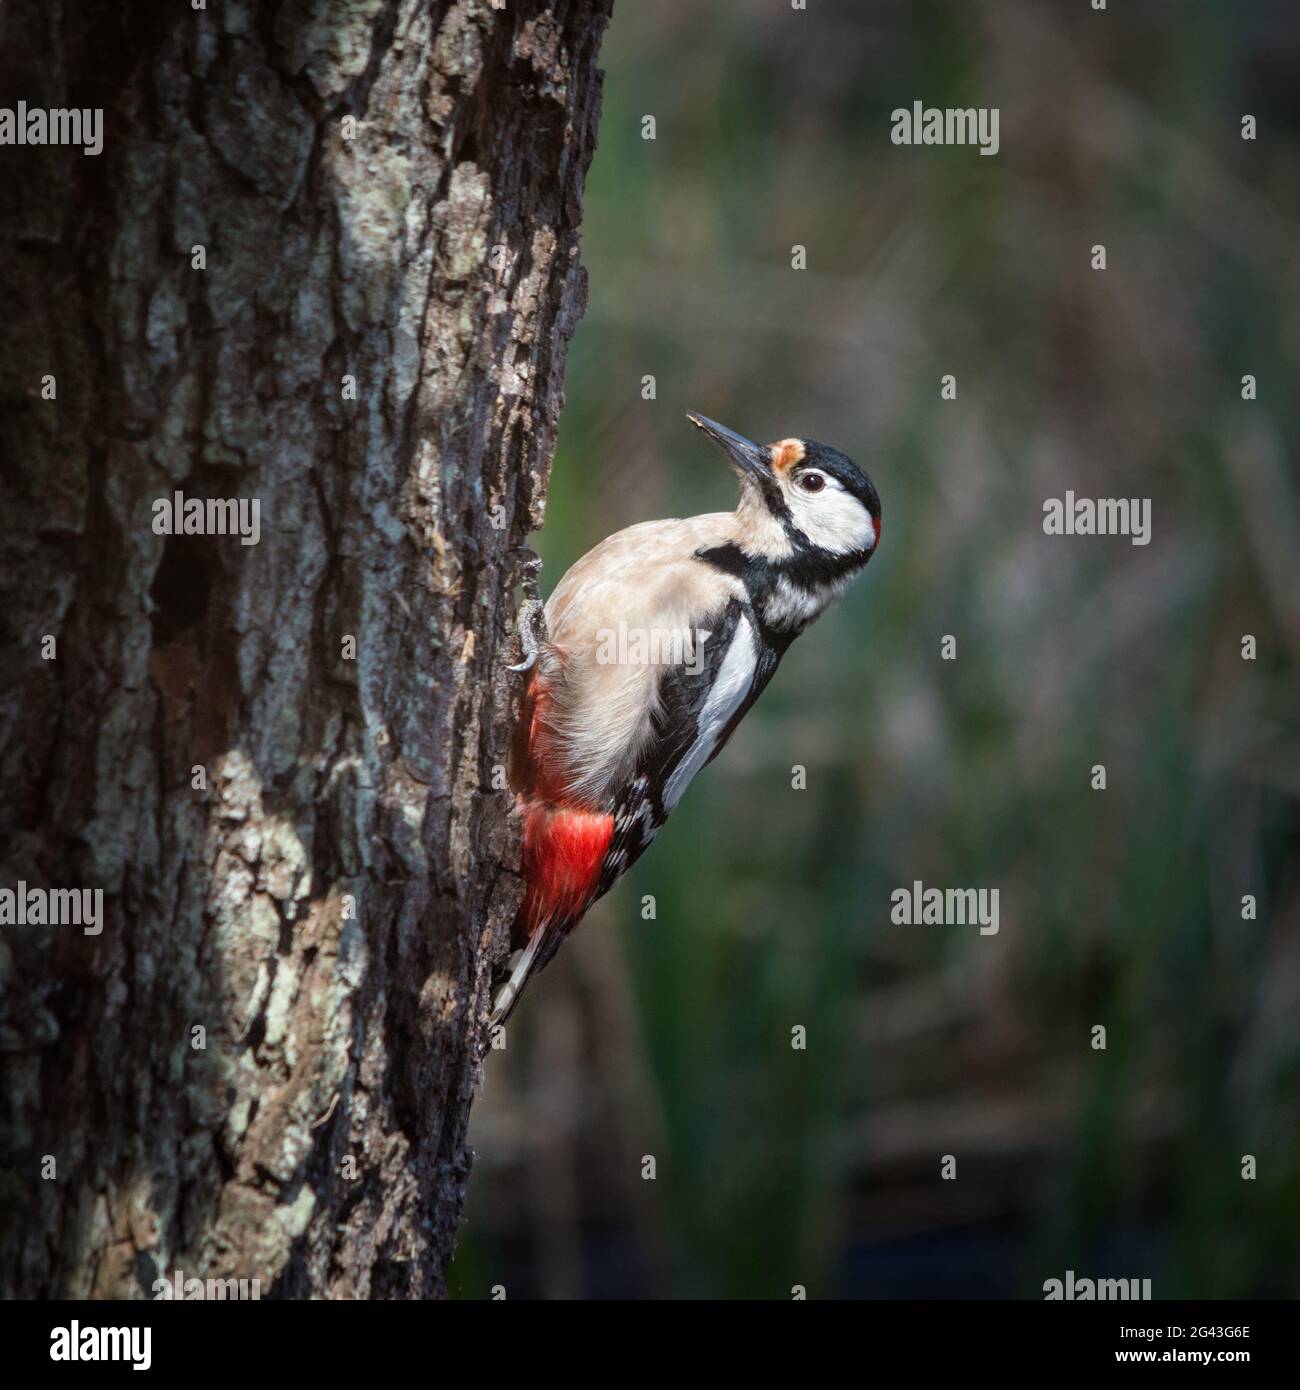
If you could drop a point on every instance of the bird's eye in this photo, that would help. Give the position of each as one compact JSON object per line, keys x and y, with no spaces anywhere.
{"x":812,"y":482}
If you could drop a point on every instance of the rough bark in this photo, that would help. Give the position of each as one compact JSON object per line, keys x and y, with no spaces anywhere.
{"x":317,"y":1142}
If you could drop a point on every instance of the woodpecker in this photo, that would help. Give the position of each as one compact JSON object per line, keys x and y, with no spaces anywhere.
{"x":648,"y":655}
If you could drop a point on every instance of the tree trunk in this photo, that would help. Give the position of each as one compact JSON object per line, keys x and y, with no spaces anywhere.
{"x":262,"y":1066}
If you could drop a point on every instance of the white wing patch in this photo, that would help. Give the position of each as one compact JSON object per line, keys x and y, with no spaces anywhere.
{"x":735,"y":676}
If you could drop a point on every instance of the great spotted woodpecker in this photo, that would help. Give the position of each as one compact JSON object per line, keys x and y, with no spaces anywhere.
{"x":655,"y":645}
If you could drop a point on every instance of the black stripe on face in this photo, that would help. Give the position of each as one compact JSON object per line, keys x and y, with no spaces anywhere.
{"x":809,"y":569}
{"x":758,"y":575}
{"x":814,"y":569}
{"x":774,"y":501}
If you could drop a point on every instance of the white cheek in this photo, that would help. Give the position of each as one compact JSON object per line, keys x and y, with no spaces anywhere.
{"x":834,"y":520}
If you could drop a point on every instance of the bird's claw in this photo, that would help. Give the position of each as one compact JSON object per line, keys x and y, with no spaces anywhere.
{"x":531,"y":622}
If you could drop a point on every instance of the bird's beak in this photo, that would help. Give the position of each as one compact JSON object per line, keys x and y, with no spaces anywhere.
{"x":750,"y":458}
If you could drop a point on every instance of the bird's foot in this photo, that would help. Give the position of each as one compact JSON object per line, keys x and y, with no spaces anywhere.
{"x":531,"y":622}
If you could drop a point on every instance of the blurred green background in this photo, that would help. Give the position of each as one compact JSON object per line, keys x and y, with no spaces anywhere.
{"x":1122,"y":907}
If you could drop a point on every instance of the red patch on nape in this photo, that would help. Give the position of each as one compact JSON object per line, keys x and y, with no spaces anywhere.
{"x":564,"y":849}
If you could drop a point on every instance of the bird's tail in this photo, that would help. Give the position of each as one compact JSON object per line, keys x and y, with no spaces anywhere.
{"x":564,"y":852}
{"x":531,"y":958}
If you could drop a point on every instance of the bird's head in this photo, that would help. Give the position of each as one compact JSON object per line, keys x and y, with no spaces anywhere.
{"x":799,"y":498}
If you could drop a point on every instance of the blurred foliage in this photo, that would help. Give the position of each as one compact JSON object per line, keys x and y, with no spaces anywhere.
{"x":1120,"y":907}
